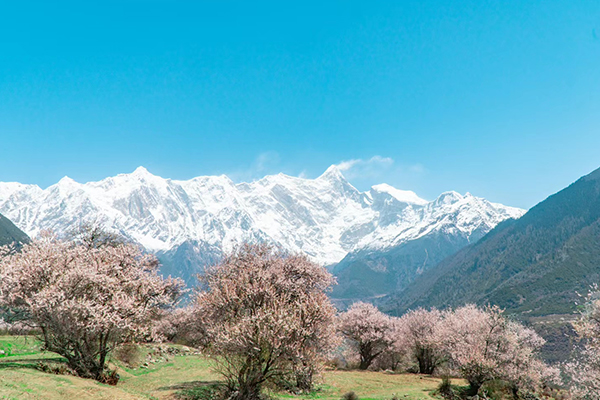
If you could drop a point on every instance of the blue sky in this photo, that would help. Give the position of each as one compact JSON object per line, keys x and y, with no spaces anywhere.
{"x":498,"y":98}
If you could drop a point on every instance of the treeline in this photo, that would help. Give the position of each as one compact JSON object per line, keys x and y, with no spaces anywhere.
{"x":479,"y":344}
{"x":265,"y":319}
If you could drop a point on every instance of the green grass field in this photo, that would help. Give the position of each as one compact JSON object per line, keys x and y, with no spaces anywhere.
{"x":163,"y":380}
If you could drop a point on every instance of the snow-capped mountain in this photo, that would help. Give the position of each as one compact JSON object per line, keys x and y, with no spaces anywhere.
{"x":326,"y":218}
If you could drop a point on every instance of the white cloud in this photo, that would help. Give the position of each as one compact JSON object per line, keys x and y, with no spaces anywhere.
{"x":346,"y":165}
{"x":359,"y":168}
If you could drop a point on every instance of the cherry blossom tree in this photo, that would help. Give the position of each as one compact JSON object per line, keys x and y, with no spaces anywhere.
{"x":85,"y":300}
{"x":522,"y":367}
{"x":368,"y":330}
{"x":265,"y":318}
{"x":397,"y":354}
{"x":420,"y":334}
{"x":484,"y":345}
{"x":585,"y":370}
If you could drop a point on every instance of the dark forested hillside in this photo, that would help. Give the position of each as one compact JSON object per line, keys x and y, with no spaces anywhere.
{"x":366,"y":274}
{"x":532,"y":266}
{"x":9,"y":233}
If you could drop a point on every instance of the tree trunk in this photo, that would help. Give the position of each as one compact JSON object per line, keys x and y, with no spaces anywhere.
{"x":366,"y":356}
{"x":304,"y":378}
{"x":474,"y":387}
{"x":515,"y":392}
{"x":366,"y":360}
{"x":426,"y":361}
{"x":248,"y":391}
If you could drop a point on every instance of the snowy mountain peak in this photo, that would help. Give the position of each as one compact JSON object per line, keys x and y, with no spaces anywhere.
{"x":66,"y":181}
{"x":326,"y":217}
{"x":141,"y":172}
{"x":405,"y":196}
{"x":449,"y":197}
{"x":66,"y":185}
{"x":332,"y":173}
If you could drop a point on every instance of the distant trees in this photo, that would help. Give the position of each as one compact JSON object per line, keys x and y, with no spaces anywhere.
{"x":85,"y":299}
{"x":585,"y":370}
{"x":265,"y":318}
{"x":479,"y":344}
{"x":368,"y":330}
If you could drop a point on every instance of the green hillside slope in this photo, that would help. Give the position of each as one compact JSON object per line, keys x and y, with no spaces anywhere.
{"x":369,"y":274}
{"x":9,"y":233}
{"x":532,"y":266}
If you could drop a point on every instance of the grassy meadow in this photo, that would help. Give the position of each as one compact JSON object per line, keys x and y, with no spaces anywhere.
{"x":175,"y":377}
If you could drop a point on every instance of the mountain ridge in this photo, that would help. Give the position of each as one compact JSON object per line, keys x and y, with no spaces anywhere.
{"x":327,"y":218}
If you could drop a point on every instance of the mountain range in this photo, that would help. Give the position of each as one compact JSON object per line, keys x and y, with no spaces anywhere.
{"x":386,"y":234}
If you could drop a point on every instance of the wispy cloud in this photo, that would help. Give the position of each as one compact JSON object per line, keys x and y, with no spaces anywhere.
{"x":265,"y":163}
{"x":363,"y":172}
{"x":360,"y":169}
{"x":417,"y":168}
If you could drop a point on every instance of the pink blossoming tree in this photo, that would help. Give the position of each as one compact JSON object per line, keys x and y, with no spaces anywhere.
{"x":368,"y":331}
{"x":420,"y":334}
{"x":484,"y":345}
{"x":265,"y":318}
{"x":85,"y":300}
{"x":585,"y":371}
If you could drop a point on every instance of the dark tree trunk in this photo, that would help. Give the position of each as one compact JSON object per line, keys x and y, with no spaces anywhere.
{"x":366,"y":355}
{"x":304,"y":378}
{"x":426,"y":360}
{"x":515,"y":392}
{"x":474,"y":387}
{"x":249,"y":392}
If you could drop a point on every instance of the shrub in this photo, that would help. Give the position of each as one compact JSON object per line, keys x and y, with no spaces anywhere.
{"x":129,"y":354}
{"x":350,"y":396}
{"x":445,"y":388}
{"x":205,"y":392}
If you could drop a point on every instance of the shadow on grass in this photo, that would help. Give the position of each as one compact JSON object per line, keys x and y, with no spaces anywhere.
{"x":31,"y":363}
{"x":191,"y":385}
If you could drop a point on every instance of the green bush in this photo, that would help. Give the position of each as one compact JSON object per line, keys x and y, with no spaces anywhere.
{"x":129,"y":354}
{"x":206,"y":392}
{"x":445,"y":389}
{"x":350,"y":396}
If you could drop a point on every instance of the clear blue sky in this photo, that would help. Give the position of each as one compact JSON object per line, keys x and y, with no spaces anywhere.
{"x":498,"y":98}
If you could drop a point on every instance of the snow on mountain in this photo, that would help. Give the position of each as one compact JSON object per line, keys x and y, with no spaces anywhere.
{"x":324,"y":217}
{"x":405,"y":196}
{"x":450,"y":213}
